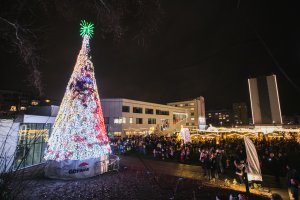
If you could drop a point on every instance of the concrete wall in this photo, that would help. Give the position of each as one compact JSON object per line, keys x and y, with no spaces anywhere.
{"x":254,"y":100}
{"x":274,"y":100}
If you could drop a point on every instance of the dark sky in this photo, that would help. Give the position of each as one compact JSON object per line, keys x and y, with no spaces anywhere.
{"x":202,"y":48}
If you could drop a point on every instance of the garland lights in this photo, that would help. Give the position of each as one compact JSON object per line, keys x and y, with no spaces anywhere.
{"x":79,"y":131}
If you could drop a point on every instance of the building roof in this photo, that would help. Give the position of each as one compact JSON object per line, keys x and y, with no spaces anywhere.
{"x":142,"y":103}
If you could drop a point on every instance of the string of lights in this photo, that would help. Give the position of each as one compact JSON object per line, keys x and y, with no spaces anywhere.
{"x":79,"y":131}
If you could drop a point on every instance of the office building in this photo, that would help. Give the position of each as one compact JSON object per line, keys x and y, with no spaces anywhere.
{"x":197,"y":109}
{"x":221,"y":117}
{"x":240,"y":114}
{"x":265,"y":104}
{"x":15,"y":102}
{"x":129,"y":117}
{"x":29,"y":131}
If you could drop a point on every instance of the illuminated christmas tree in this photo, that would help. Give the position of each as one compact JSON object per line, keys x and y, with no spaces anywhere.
{"x":79,"y":132}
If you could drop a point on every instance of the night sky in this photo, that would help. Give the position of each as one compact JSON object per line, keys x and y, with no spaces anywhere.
{"x":202,"y":48}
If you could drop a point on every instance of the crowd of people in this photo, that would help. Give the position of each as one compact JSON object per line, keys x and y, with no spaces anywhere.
{"x":215,"y":157}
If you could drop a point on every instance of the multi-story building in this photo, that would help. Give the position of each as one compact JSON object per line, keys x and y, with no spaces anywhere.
{"x":27,"y":135}
{"x":240,"y":114}
{"x":197,"y":109}
{"x":12,"y":102}
{"x":129,"y":117}
{"x":15,"y":102}
{"x":265,"y":104}
{"x":219,"y":117}
{"x":28,"y":132}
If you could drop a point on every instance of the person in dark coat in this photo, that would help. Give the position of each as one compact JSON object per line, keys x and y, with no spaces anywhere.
{"x":293,"y":180}
{"x":275,"y":168}
{"x":214,"y":166}
{"x":208,"y":165}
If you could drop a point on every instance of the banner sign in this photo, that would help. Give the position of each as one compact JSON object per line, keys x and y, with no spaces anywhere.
{"x":74,"y":169}
{"x":253,"y":170}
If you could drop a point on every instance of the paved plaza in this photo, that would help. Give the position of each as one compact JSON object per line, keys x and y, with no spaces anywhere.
{"x":193,"y":172}
{"x":138,"y":178}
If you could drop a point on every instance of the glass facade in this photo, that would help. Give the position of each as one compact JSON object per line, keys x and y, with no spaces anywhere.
{"x":32,"y":142}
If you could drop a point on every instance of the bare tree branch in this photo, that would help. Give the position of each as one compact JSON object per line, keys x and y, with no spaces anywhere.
{"x":118,"y":20}
{"x":27,"y":52}
{"x":16,"y":27}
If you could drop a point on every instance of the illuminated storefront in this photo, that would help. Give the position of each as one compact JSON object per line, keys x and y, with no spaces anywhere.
{"x":32,"y":141}
{"x":32,"y":134}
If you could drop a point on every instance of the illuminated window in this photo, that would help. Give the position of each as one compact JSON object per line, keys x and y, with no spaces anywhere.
{"x":22,"y":108}
{"x":191,"y":104}
{"x":28,"y":136}
{"x":123,"y":120}
{"x":117,"y":120}
{"x":192,"y":108}
{"x":180,"y":105}
{"x":192,"y":118}
{"x":117,"y":133}
{"x":130,"y":120}
{"x":34,"y":103}
{"x":13,"y":108}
